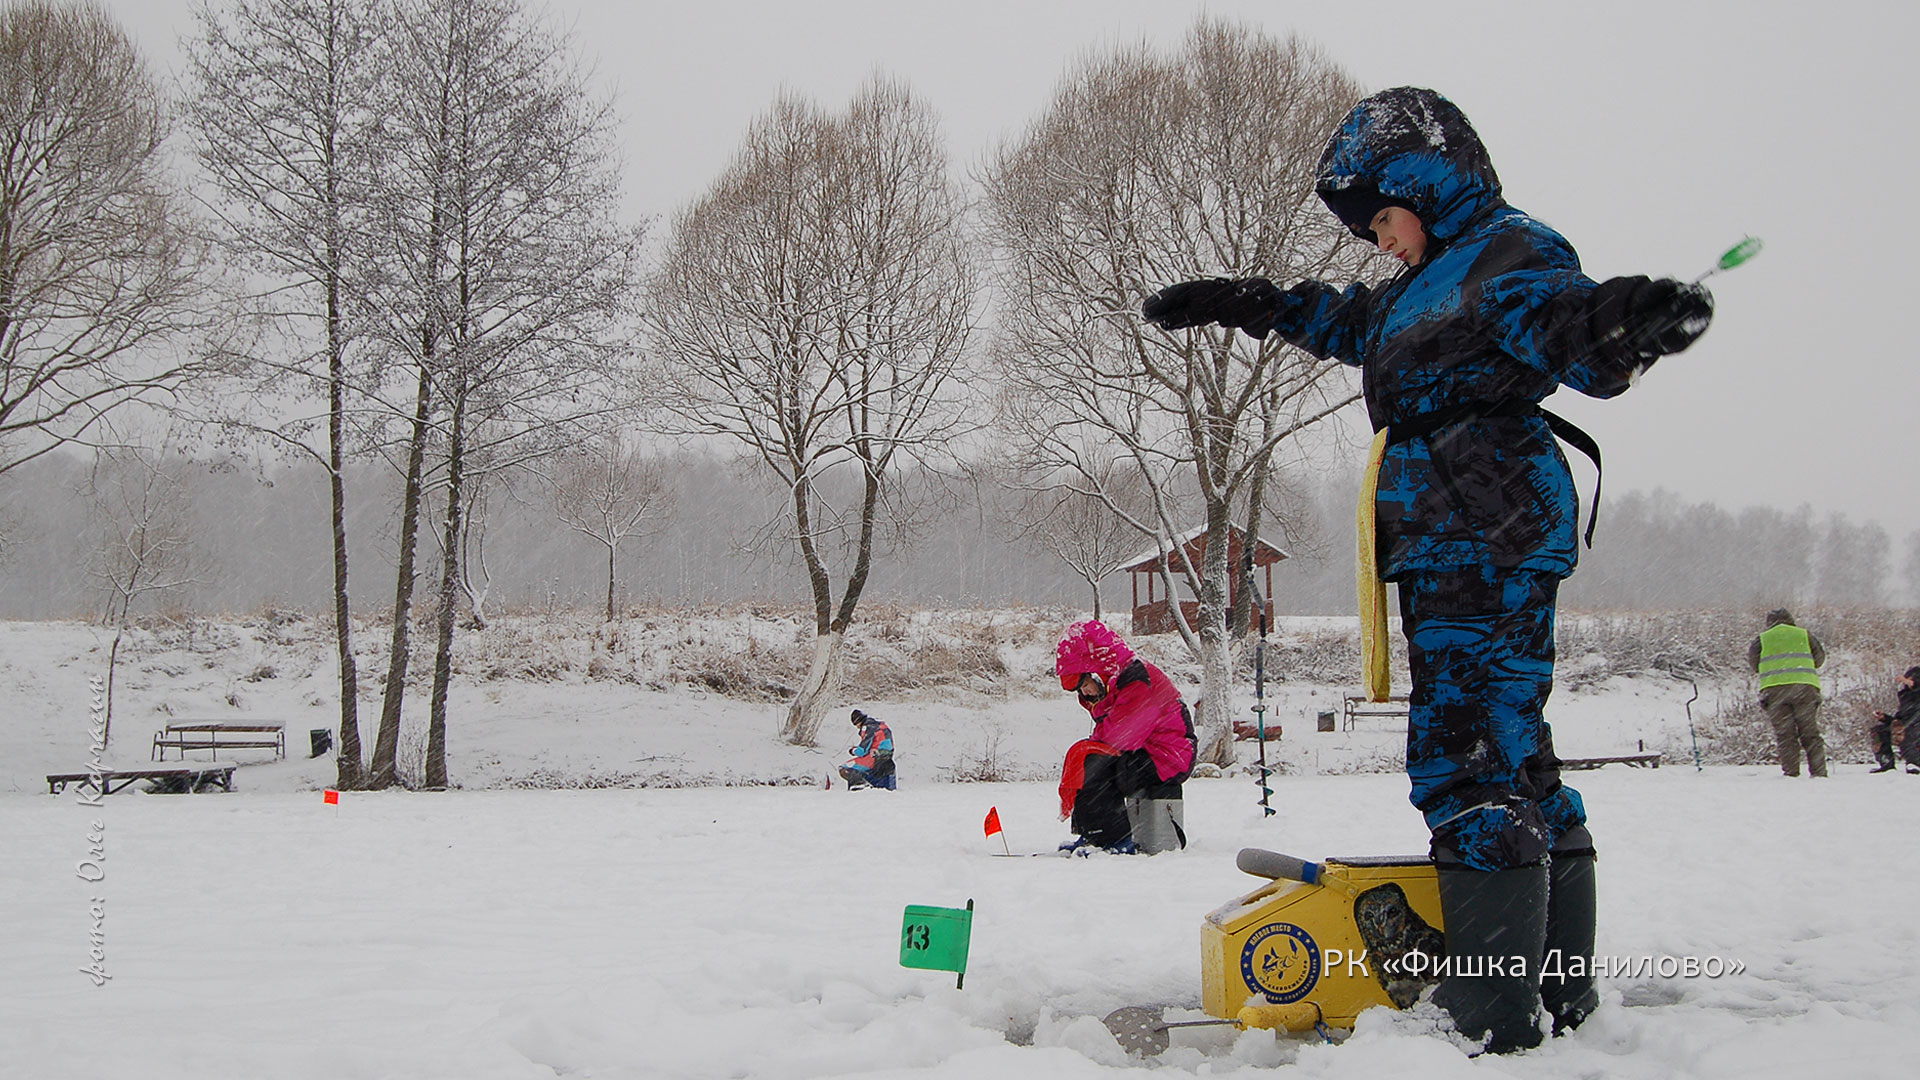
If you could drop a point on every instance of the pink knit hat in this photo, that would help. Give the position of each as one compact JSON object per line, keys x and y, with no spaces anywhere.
{"x":1090,"y":647}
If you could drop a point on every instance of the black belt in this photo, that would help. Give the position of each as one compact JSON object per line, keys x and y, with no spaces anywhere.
{"x":1562,"y":429}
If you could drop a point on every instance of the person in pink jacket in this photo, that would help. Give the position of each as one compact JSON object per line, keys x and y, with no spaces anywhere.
{"x":1127,"y":775}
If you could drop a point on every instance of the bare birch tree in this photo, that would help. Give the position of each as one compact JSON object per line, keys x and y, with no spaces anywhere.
{"x":97,"y":263}
{"x":476,"y":577}
{"x":140,"y":502}
{"x":1081,"y":528}
{"x":813,"y":308}
{"x":506,"y":244}
{"x":283,"y":106}
{"x":1143,"y":171}
{"x":609,"y":493}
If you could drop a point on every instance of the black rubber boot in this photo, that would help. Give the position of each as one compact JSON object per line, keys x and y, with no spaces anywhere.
{"x":1568,"y":990}
{"x":1496,"y":927}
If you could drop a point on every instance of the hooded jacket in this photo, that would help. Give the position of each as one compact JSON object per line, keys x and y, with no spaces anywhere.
{"x":1456,"y":353}
{"x":1142,"y":709}
{"x":876,"y":744}
{"x":1907,"y":713}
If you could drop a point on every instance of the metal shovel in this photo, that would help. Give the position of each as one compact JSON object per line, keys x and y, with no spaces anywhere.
{"x":1140,"y":1029}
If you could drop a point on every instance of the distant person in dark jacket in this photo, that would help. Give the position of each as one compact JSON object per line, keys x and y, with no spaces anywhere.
{"x":1907,"y":716}
{"x":1785,"y":656}
{"x":872,"y":763}
{"x":1474,"y":506}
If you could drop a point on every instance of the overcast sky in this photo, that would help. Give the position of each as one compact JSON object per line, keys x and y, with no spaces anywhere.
{"x":1654,"y":135}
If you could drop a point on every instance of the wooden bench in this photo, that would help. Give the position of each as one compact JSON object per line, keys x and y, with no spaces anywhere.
{"x":178,"y":780}
{"x":1358,"y":707}
{"x":216,"y":736}
{"x":1631,"y":761}
{"x":1247,"y":729}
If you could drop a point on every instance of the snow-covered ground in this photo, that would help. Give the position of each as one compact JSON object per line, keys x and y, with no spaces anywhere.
{"x":753,"y":931}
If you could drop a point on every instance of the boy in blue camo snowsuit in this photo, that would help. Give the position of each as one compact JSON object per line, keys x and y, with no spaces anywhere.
{"x":1475,"y":507}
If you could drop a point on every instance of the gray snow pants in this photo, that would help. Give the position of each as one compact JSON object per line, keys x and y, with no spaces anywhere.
{"x":1794,"y":711}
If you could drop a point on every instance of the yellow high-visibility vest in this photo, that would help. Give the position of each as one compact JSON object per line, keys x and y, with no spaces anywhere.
{"x":1786,"y":656}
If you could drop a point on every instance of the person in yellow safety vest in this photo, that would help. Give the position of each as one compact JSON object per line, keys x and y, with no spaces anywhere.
{"x":1785,"y":656}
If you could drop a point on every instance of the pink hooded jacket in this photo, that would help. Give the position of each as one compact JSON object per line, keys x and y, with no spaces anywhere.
{"x":1143,"y":713}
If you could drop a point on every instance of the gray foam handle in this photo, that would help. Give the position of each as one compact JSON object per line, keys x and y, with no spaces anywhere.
{"x":1271,"y":864}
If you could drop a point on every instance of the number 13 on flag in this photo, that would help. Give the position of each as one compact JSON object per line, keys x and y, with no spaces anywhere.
{"x":937,"y":939}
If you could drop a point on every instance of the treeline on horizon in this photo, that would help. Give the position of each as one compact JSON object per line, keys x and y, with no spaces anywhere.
{"x":258,"y":540}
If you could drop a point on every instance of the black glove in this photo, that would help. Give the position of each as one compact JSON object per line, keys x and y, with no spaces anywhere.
{"x":1675,"y":314}
{"x":1247,"y":303}
{"x":1654,"y":318}
{"x":1252,"y":307}
{"x":1190,"y":303}
{"x":1135,"y":772}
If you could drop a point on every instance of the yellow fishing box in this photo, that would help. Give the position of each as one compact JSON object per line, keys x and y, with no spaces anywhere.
{"x":1321,"y":942}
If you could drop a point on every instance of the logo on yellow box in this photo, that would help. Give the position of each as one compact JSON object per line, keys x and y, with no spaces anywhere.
{"x":1281,"y":961}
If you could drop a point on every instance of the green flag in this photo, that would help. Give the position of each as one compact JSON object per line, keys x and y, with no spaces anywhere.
{"x":936,"y":938}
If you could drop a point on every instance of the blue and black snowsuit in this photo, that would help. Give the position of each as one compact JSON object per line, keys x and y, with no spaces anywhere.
{"x":1476,"y":509}
{"x":1475,"y":516}
{"x":872,"y":762}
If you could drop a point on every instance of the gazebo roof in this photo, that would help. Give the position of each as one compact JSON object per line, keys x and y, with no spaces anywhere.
{"x":1195,"y":542}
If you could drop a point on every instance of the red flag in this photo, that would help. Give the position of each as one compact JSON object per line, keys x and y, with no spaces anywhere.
{"x":332,"y":797}
{"x":993,"y":820}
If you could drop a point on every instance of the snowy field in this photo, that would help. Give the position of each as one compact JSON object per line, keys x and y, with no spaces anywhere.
{"x":754,"y":931}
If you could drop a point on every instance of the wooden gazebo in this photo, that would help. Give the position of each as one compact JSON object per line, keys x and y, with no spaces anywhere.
{"x":1154,"y":615}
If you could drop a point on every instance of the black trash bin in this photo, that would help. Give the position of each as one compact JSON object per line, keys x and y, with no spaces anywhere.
{"x":322,"y":739}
